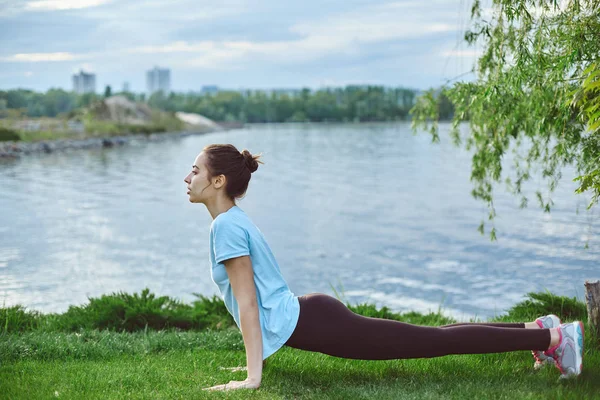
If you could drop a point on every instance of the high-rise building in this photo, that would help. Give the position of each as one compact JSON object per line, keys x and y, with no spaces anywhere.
{"x":209,"y":89}
{"x":126,"y":86}
{"x":158,"y":79}
{"x":84,"y":83}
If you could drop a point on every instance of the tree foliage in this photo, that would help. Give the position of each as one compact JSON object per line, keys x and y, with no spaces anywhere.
{"x":537,"y":85}
{"x":349,"y":104}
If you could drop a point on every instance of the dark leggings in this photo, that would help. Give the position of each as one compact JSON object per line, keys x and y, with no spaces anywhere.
{"x":327,"y":326}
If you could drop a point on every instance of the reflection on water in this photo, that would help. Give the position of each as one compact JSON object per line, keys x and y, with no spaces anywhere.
{"x":370,"y":209}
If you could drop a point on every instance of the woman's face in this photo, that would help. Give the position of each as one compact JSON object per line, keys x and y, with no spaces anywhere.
{"x":198,"y":185}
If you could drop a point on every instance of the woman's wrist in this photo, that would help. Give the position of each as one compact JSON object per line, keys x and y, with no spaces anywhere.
{"x":254,"y":380}
{"x":252,"y":383}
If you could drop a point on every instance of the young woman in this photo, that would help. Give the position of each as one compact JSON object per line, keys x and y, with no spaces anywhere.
{"x":270,"y":316}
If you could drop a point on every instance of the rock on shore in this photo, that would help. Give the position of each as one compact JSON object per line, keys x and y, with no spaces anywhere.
{"x":18,"y":149}
{"x":198,"y":120}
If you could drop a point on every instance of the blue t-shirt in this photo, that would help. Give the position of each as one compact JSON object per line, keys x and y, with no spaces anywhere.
{"x":233,"y":234}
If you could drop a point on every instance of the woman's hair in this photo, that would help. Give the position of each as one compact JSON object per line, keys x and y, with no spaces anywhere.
{"x":235,"y":165}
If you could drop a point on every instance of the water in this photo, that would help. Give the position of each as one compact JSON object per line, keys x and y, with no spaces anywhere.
{"x":370,"y":209}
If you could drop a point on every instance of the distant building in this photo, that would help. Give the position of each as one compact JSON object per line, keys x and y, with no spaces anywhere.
{"x":158,"y":79}
{"x":288,"y":92}
{"x":84,"y":83}
{"x":209,"y":89}
{"x":126,"y":86}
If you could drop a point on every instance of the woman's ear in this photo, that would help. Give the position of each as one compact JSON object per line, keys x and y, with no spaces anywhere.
{"x":220,"y":181}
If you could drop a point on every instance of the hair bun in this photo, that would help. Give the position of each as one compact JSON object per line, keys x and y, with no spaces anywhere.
{"x":250,"y":160}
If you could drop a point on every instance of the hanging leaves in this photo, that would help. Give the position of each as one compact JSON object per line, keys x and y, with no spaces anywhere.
{"x":537,"y":84}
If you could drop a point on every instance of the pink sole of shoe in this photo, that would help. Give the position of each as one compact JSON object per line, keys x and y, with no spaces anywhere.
{"x":582,"y":344}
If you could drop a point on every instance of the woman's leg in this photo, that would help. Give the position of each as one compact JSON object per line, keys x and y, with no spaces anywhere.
{"x":493,"y":324}
{"x":327,"y":326}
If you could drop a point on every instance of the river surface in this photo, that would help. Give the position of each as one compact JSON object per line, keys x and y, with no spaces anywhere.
{"x":370,"y":210}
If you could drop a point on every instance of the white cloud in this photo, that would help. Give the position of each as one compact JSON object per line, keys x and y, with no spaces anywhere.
{"x":343,"y":34}
{"x":370,"y":42}
{"x":49,"y":5}
{"x":462,"y":53}
{"x":175,"y":47}
{"x":85,"y":67}
{"x":40,"y":57}
{"x":162,"y":16}
{"x":377,"y":23}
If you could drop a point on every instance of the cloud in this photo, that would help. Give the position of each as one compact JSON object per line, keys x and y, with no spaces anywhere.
{"x":165,"y":15}
{"x":51,"y":5}
{"x":462,"y":53}
{"x":11,"y":8}
{"x":175,"y":47}
{"x":347,"y":34}
{"x":378,"y":23}
{"x":302,"y":42}
{"x":86,"y":67}
{"x":40,"y":57}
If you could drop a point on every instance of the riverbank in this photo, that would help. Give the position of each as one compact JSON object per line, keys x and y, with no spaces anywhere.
{"x":16,"y":149}
{"x":114,"y":121}
{"x":56,"y":143}
{"x":39,"y":362}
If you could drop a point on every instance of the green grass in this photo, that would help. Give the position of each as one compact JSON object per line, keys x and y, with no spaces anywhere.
{"x":160,"y":122}
{"x":38,"y":362}
{"x":38,"y":136}
{"x":177,"y":365}
{"x":95,"y":128}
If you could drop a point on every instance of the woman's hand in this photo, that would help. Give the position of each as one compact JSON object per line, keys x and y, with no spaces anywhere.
{"x":232,"y":385}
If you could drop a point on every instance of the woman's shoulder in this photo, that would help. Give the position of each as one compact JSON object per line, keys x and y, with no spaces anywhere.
{"x":234,"y":217}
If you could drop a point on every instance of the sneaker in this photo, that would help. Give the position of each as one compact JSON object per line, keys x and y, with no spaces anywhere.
{"x":568,"y":353}
{"x":546,"y":322}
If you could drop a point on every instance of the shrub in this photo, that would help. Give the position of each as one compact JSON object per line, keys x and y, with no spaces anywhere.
{"x":369,"y":310}
{"x":146,"y":129}
{"x":7,"y":134}
{"x":211,"y":312}
{"x":138,"y":312}
{"x":18,"y":319}
{"x":125,"y":312}
{"x":543,"y":303}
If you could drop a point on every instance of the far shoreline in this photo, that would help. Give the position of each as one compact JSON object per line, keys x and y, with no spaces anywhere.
{"x":17,"y":149}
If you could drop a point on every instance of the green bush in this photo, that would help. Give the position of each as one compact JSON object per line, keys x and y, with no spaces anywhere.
{"x":544,"y":303}
{"x":146,"y":129}
{"x":432,"y":319}
{"x":7,"y":134}
{"x":125,"y":312}
{"x":167,"y":121}
{"x":298,"y":116}
{"x":99,"y":128}
{"x":18,"y":319}
{"x":145,"y":311}
{"x":211,"y":312}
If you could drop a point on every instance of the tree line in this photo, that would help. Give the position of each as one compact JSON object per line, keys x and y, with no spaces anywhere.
{"x":348,"y":104}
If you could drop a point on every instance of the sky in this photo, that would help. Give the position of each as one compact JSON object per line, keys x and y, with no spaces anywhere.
{"x":234,"y":44}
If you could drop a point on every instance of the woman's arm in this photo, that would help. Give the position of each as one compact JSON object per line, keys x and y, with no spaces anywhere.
{"x":241,"y":277}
